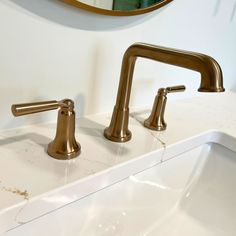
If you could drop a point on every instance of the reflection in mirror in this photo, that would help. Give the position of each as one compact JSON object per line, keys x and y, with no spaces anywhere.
{"x":119,"y":7}
{"x":104,"y":4}
{"x":123,"y":5}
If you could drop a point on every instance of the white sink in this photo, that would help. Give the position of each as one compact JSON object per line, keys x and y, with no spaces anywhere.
{"x":192,"y":192}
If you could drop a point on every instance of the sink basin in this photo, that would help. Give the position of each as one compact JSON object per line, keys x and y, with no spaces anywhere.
{"x":191,"y":192}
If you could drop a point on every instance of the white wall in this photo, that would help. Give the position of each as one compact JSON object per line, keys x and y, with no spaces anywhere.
{"x":49,"y":50}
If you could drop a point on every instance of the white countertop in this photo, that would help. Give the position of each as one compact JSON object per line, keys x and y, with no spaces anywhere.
{"x":32,"y":183}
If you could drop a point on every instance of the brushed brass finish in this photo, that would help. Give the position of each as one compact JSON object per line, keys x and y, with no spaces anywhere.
{"x":30,"y":108}
{"x":175,"y":89}
{"x":211,"y":80}
{"x":78,"y":4}
{"x":64,"y":145}
{"x":156,"y":119}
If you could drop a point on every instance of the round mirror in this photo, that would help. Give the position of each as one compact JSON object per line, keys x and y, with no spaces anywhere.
{"x":118,"y":7}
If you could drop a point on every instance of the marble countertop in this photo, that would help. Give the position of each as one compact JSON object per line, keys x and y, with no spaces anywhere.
{"x":33,"y":184}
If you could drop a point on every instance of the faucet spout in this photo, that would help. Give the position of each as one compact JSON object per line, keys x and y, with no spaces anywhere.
{"x":211,"y":80}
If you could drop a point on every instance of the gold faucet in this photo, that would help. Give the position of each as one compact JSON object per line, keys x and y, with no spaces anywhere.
{"x":156,"y":119}
{"x":64,"y":145}
{"x":211,"y":80}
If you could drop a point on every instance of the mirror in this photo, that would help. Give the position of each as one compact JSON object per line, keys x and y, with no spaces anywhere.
{"x":118,"y":7}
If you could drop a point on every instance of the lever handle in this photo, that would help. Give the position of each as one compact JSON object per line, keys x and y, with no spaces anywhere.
{"x":174,"y":89}
{"x":64,"y":146}
{"x":35,"y":107}
{"x":29,"y":108}
{"x":156,"y":119}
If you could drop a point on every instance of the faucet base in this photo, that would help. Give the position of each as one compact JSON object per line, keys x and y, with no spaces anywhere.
{"x":118,"y":128}
{"x":56,"y":153}
{"x":157,"y":127}
{"x":219,"y":89}
{"x":118,"y":138}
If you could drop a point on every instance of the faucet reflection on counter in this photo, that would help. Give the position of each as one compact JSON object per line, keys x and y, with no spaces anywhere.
{"x":211,"y":80}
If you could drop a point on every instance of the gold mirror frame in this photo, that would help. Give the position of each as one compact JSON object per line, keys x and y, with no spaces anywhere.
{"x":97,"y":10}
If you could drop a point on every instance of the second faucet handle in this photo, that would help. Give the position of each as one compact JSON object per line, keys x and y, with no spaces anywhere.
{"x":156,"y":119}
{"x":64,"y":145}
